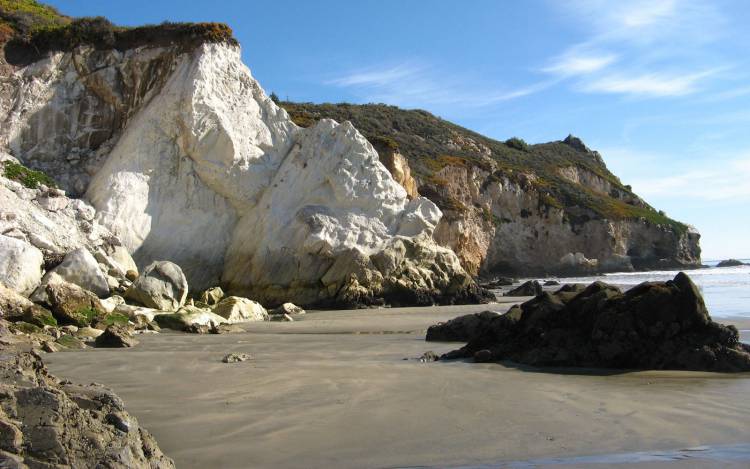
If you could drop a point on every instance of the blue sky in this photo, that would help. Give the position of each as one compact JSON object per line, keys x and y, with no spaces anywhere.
{"x":660,"y":88}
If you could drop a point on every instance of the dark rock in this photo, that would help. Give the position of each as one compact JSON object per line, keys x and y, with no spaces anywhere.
{"x":500,"y":282}
{"x":529,"y":288}
{"x":116,"y":337}
{"x":39,"y":316}
{"x":551,"y":283}
{"x":59,"y":424}
{"x":655,"y":325}
{"x":730,"y":263}
{"x":460,"y":329}
{"x":236,"y":357}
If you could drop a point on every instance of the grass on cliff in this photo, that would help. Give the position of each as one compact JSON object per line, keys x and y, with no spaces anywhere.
{"x":429,"y":143}
{"x":29,"y":30}
{"x":28,"y":177}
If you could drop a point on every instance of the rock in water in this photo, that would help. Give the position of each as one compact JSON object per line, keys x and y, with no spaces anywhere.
{"x":655,"y":325}
{"x":161,"y":285}
{"x":48,"y":423}
{"x":529,"y":288}
{"x":730,"y":263}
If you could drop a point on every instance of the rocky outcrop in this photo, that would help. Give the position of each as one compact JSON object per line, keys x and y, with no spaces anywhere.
{"x":730,"y":263}
{"x":186,"y":159}
{"x":517,"y":209}
{"x":45,"y":422}
{"x":655,"y":325}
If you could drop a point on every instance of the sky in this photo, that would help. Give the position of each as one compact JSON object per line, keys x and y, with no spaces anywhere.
{"x":660,"y":88}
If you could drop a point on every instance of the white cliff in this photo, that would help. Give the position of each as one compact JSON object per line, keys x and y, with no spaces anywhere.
{"x":186,"y":159}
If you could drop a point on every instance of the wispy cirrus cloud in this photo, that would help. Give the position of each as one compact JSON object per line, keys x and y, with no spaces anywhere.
{"x":641,"y":48}
{"x":723,"y":178}
{"x":649,"y":84}
{"x":415,"y":84}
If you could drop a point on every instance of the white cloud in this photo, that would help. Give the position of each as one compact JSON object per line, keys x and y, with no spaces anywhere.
{"x":377,"y":77}
{"x":650,"y":84}
{"x":644,"y":48}
{"x":574,"y":63}
{"x":409,"y":84}
{"x":714,"y":180}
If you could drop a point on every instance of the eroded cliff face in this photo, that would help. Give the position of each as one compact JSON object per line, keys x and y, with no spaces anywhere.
{"x":185,"y":159}
{"x":514,"y":208}
{"x":502,"y":223}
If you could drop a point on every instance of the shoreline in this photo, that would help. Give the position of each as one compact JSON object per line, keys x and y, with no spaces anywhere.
{"x":346,"y":389}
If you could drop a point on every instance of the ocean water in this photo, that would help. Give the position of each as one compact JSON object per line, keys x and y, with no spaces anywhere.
{"x":726,"y":290}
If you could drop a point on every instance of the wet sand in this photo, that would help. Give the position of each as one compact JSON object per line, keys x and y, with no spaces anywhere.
{"x":333,"y":390}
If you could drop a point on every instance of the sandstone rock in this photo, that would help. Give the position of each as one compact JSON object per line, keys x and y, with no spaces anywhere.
{"x":20,"y":265}
{"x":212,"y":296}
{"x":72,"y":304}
{"x":288,"y":308}
{"x":135,"y":313}
{"x":110,"y":304}
{"x":528,"y":288}
{"x":235,"y":309}
{"x":39,"y":316}
{"x":116,"y":337}
{"x":87,"y":334}
{"x":655,"y":325}
{"x":70,"y":342}
{"x":59,"y":424}
{"x":80,"y":268}
{"x":161,"y":285}
{"x":236,"y":357}
{"x":12,"y":304}
{"x":188,"y":316}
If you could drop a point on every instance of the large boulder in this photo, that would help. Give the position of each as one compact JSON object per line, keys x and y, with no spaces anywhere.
{"x":189,"y":316}
{"x":730,"y":263}
{"x":81,"y":268}
{"x":655,"y":325}
{"x":72,"y":304}
{"x":20,"y":265}
{"x":161,"y":285}
{"x":235,"y":309}
{"x":46,"y":422}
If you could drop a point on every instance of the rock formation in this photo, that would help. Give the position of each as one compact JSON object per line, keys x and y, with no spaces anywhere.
{"x":45,"y":422}
{"x":655,"y":325}
{"x":516,"y":209}
{"x":185,"y":159}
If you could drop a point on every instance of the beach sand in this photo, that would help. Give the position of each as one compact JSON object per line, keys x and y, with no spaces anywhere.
{"x":334,"y":390}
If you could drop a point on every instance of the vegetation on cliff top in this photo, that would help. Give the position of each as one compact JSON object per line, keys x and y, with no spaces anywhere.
{"x":30,"y":30}
{"x":431,"y":143}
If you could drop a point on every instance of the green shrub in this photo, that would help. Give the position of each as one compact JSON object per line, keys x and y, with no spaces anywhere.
{"x":28,"y":177}
{"x":517,"y":143}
